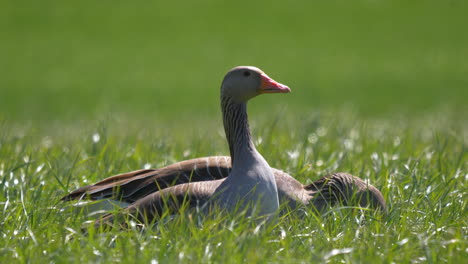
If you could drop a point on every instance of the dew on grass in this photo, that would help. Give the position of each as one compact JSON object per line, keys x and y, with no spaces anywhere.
{"x":303,"y":235}
{"x":97,"y":252}
{"x":336,"y":251}
{"x":340,"y":155}
{"x":130,"y":153}
{"x":293,"y":154}
{"x":312,"y":138}
{"x":96,"y":137}
{"x":321,"y":131}
{"x":259,"y":141}
{"x":429,"y":155}
{"x":208,"y":251}
{"x":282,"y":234}
{"x":428,"y":189}
{"x":420,"y":260}
{"x":338,"y":237}
{"x":407,"y":166}
{"x":367,"y":181}
{"x":257,"y":229}
{"x":402,"y":242}
{"x":6,"y":205}
{"x":47,"y":142}
{"x":39,"y":168}
{"x":186,"y":153}
{"x":348,"y":144}
{"x":451,"y":241}
{"x":31,"y":234}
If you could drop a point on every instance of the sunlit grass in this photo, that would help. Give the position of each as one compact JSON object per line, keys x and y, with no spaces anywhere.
{"x":419,"y":163}
{"x":379,"y":90}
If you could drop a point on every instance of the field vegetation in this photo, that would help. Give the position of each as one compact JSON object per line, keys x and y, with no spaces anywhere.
{"x":90,"y":89}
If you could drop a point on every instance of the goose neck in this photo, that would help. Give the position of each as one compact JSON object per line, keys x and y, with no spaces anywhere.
{"x":236,"y":127}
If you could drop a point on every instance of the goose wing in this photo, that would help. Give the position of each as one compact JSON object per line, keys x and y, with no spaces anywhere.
{"x":132,"y":186}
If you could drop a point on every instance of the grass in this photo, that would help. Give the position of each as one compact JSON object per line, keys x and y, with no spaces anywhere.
{"x":96,"y":88}
{"x":73,"y":61}
{"x":419,"y":164}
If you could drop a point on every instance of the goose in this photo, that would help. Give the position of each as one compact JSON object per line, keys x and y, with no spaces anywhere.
{"x":326,"y":191}
{"x":250,"y":185}
{"x":228,"y":181}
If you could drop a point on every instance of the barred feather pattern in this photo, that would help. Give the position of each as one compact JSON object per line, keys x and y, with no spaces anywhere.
{"x":236,"y":125}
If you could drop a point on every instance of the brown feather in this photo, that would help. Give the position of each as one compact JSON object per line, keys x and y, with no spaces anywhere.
{"x":158,"y":191}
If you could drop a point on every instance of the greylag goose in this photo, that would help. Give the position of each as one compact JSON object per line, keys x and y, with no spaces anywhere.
{"x":250,"y":184}
{"x":328,"y":190}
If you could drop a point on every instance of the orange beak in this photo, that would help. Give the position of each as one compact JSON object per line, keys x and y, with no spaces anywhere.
{"x":269,"y":85}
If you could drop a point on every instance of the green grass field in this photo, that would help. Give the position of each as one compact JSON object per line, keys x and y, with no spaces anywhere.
{"x":95,"y":88}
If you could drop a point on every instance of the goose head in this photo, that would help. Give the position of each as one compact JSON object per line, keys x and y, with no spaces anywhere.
{"x":243,"y":83}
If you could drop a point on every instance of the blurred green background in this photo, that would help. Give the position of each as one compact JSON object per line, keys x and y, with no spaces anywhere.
{"x":84,"y":59}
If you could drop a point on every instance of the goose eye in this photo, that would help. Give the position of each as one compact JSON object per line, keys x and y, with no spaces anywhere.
{"x":246,"y":73}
